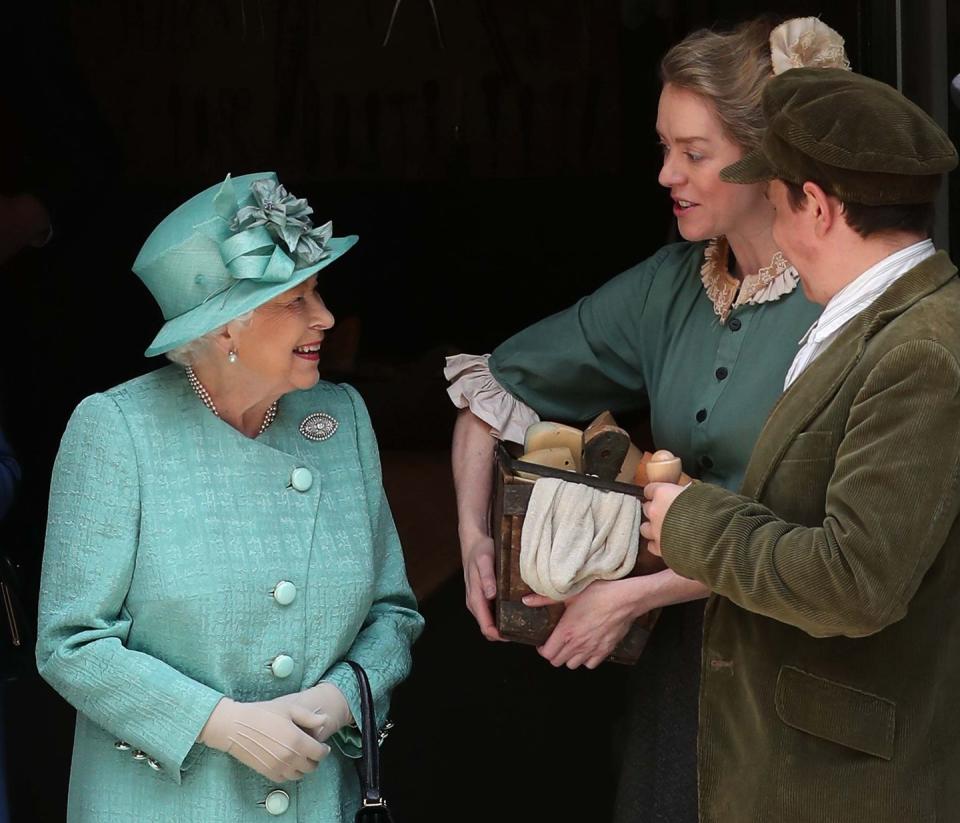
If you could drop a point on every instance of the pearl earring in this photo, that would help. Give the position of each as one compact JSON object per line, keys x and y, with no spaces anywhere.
{"x":232,"y":357}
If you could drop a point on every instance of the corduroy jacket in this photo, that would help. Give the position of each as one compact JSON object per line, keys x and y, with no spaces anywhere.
{"x":831,"y":667}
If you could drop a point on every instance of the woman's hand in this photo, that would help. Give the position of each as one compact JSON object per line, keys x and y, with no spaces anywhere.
{"x":480,"y":582}
{"x":595,"y":620}
{"x":327,"y":703}
{"x":271,"y":737}
{"x":660,"y":497}
{"x":472,"y":460}
{"x":598,"y":618}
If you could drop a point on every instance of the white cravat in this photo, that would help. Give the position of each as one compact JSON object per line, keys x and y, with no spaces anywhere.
{"x":853,"y":299}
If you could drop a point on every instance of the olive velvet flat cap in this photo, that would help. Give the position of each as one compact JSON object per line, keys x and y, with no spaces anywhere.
{"x":858,"y":137}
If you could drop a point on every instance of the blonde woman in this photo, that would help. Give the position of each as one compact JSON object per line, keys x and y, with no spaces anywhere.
{"x":703,"y":332}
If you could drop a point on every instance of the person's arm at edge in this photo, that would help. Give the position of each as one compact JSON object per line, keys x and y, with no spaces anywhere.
{"x":9,"y":475}
{"x":472,"y":458}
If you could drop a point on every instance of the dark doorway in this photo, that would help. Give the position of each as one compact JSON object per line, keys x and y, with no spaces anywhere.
{"x":497,"y":162}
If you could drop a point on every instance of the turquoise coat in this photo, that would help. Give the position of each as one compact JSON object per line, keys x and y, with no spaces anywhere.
{"x":168,"y":533}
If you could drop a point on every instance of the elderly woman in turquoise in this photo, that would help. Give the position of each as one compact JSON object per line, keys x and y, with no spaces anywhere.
{"x":219,"y":541}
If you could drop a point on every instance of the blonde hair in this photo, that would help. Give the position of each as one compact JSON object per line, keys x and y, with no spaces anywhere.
{"x":730,"y":70}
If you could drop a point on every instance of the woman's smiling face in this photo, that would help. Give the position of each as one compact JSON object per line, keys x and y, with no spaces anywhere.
{"x":695,"y":149}
{"x":280,"y":345}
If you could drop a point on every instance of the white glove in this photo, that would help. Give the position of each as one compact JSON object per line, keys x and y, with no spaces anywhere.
{"x":271,"y":737}
{"x":324,"y":701}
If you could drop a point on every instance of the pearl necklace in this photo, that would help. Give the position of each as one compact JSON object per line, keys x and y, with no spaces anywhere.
{"x":207,"y":401}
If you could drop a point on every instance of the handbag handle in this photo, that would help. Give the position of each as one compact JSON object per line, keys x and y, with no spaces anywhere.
{"x":370,"y":759}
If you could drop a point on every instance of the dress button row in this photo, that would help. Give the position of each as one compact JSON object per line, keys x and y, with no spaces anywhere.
{"x":284,"y":592}
{"x":301,"y":479}
{"x":281,"y":666}
{"x":276,"y":803}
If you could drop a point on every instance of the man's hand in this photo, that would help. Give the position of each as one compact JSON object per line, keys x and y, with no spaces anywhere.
{"x":660,"y":497}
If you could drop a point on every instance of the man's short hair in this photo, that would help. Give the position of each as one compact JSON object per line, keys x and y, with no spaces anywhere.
{"x":915,"y":218}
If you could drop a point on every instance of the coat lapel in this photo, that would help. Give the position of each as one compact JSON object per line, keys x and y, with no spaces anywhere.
{"x":810,"y":393}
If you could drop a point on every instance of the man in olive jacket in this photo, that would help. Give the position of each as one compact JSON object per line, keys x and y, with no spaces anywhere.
{"x":831,"y":666}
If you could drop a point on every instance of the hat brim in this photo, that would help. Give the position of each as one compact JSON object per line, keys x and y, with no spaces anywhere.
{"x":752,"y":168}
{"x":241,"y":298}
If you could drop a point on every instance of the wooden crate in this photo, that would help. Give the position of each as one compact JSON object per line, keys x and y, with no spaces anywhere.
{"x":521,"y":623}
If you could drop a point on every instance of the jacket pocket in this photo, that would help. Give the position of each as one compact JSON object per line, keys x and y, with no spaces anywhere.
{"x":835,"y":712}
{"x":815,"y":445}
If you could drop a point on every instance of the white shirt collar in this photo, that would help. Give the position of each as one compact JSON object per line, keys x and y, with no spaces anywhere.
{"x":853,"y":299}
{"x":867,"y":287}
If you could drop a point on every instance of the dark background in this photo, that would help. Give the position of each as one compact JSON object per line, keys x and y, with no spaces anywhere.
{"x":496,"y":167}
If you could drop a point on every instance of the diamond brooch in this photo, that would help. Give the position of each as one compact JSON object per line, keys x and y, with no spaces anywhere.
{"x":318,"y":426}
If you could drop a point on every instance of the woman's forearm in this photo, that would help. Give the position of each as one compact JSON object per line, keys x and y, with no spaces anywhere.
{"x":663,"y":588}
{"x":472,"y":457}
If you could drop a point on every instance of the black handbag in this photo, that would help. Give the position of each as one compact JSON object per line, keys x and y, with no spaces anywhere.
{"x":374,"y":807}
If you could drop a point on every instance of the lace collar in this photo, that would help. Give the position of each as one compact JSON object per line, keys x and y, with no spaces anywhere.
{"x":727,"y":293}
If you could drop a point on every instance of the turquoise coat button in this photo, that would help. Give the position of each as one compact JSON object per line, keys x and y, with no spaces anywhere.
{"x":282,"y":665}
{"x":284,"y":592}
{"x":301,"y":479}
{"x":277,"y":802}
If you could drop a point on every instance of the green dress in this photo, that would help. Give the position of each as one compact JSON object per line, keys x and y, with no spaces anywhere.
{"x":651,"y":338}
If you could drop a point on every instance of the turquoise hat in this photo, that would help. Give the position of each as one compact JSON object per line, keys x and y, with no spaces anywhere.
{"x":228,"y":250}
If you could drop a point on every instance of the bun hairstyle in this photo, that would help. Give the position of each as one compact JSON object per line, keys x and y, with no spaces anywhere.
{"x":806,"y":43}
{"x":731,"y":68}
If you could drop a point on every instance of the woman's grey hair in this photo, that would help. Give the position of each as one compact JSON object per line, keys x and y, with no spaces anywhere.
{"x":189,"y":353}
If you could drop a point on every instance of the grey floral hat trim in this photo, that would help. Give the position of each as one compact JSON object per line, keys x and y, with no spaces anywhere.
{"x":285,"y":217}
